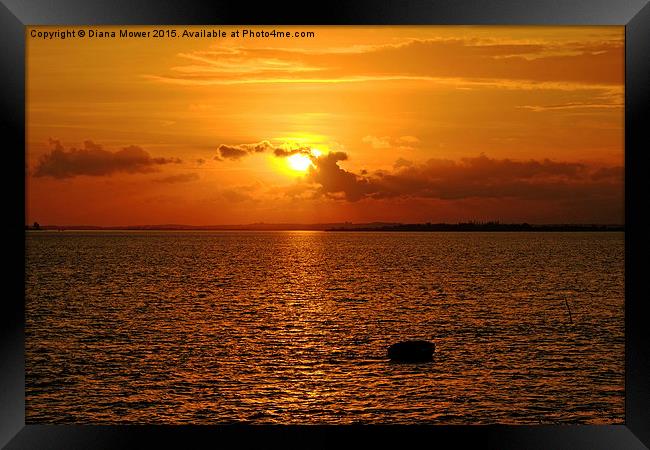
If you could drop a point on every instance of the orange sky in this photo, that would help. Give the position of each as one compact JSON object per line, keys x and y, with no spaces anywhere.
{"x":406,"y":124}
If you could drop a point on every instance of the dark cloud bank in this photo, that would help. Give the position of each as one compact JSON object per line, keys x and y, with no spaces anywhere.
{"x":93,"y":160}
{"x":477,"y":177}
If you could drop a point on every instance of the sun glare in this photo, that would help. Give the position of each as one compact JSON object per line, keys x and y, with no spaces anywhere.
{"x":299,"y":162}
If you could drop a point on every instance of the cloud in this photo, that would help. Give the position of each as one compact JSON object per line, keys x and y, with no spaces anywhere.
{"x":469,"y":178}
{"x":282,"y":153}
{"x":401,"y":142}
{"x":408,"y":140}
{"x":584,"y":59}
{"x":337,"y":182}
{"x":228,"y":152}
{"x":241,"y":150}
{"x":236,"y":196}
{"x":401,"y":162}
{"x":238,"y":61}
{"x":235,"y":152}
{"x":609,"y":102}
{"x":93,"y":160}
{"x":179,"y":178}
{"x":478,"y":177}
{"x":376,"y":142}
{"x":609,"y":173}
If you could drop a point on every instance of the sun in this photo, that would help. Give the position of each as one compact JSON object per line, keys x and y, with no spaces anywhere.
{"x":299,"y":162}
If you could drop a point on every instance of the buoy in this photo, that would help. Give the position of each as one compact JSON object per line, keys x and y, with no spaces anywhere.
{"x":411,"y":351}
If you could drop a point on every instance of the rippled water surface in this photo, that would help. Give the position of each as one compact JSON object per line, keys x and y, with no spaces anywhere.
{"x":292,"y":327}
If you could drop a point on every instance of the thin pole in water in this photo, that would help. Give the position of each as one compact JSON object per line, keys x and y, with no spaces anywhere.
{"x":566,"y":302}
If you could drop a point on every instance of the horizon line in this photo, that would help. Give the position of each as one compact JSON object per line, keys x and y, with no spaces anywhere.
{"x":323,"y":225}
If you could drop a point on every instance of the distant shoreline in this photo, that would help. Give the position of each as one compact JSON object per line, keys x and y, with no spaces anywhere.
{"x":503,"y":227}
{"x":378,"y":226}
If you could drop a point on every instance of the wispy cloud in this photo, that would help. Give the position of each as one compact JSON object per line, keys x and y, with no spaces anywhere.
{"x":178,"y":178}
{"x":384,"y":142}
{"x":595,"y":62}
{"x":564,"y":106}
{"x":376,"y":142}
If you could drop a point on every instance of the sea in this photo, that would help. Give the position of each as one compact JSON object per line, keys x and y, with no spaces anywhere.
{"x":226,"y":327}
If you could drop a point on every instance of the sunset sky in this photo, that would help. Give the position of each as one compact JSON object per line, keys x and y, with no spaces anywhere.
{"x":399,"y":124}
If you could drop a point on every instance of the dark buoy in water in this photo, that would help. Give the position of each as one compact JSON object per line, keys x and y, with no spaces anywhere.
{"x":411,"y":351}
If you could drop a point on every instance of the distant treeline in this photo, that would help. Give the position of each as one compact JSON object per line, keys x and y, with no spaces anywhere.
{"x":179,"y":227}
{"x":484,"y":226}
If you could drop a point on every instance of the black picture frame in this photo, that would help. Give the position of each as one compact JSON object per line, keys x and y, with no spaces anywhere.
{"x":16,"y":14}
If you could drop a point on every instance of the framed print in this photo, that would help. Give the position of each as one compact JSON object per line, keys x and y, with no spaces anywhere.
{"x":268,"y":225}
